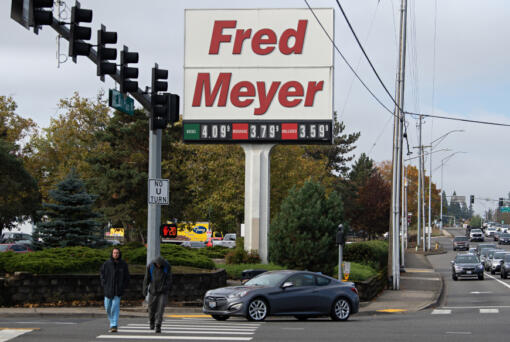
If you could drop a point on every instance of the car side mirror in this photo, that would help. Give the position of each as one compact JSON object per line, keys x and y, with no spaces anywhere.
{"x":452,"y":262}
{"x":287,"y":284}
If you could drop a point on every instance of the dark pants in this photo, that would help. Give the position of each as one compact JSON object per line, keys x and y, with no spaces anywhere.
{"x":157,"y":308}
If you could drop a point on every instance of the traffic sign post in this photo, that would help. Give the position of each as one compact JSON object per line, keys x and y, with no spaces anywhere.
{"x":121,"y":102}
{"x":159,"y":191}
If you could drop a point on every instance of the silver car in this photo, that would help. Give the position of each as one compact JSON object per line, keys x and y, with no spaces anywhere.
{"x":301,"y":294}
{"x":495,"y":261}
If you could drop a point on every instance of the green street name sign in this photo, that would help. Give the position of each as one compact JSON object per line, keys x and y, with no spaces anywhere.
{"x":504,"y":209}
{"x":121,"y":102}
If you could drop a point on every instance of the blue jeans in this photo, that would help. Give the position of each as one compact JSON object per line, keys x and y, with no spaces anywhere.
{"x":112,"y":306}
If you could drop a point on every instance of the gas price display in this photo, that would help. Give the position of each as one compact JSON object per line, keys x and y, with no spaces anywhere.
{"x":222,"y":132}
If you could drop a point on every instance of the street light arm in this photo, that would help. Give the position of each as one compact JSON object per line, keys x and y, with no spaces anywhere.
{"x":444,"y":136}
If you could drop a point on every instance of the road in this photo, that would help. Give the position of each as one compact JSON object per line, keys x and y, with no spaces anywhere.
{"x":471,"y":310}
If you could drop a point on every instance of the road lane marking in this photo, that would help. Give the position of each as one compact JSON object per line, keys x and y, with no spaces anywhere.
{"x":194,"y":328}
{"x":392,"y":310}
{"x":219,"y":326}
{"x":458,"y":332}
{"x":480,"y":292}
{"x":499,"y":281}
{"x":441,"y":312}
{"x":420,"y":278}
{"x":419,"y":270}
{"x":488,"y":311}
{"x":192,"y":332}
{"x":7,"y":334}
{"x":476,"y":307}
{"x":153,"y":337}
{"x":188,"y":316}
{"x":293,"y":328}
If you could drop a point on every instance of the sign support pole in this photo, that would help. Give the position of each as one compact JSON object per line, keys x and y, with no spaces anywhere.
{"x":154,"y":210}
{"x":256,"y":200}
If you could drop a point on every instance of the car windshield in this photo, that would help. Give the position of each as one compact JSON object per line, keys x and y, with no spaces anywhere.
{"x":460,"y":238}
{"x":499,"y":255}
{"x":507,"y":257}
{"x":476,"y":231}
{"x":491,"y":253}
{"x":267,"y":279}
{"x":505,"y":235}
{"x":466,"y":259}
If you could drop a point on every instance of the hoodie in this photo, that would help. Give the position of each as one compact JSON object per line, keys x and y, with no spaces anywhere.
{"x":157,"y":280}
{"x":114,"y":275}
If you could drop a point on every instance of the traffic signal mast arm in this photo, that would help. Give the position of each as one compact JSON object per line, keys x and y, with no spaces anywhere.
{"x":143,"y":99}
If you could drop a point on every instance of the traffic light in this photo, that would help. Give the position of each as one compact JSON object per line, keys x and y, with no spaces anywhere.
{"x":472,"y":199}
{"x":340,"y":240}
{"x":501,"y":201}
{"x":127,"y":73}
{"x":32,"y":13}
{"x":78,"y":33}
{"x":105,"y":54}
{"x":173,"y":108}
{"x":168,"y":231}
{"x":159,"y":102}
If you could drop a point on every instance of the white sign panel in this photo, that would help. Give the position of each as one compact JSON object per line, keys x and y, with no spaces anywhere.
{"x":257,"y":66}
{"x":159,"y":191}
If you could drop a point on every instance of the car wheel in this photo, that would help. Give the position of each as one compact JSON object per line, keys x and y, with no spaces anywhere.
{"x":301,"y":317}
{"x":504,"y":275}
{"x":257,"y":310}
{"x":341,"y":309}
{"x":454,"y":249}
{"x":220,"y":317}
{"x":480,"y":276}
{"x":493,"y":271}
{"x":454,"y":277}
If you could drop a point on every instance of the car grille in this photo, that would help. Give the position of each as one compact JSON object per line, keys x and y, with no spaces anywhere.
{"x":221,"y":303}
{"x":472,"y":269}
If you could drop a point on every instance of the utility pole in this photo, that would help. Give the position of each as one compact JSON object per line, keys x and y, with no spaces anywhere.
{"x":441,"y":209}
{"x":423,"y":193}
{"x":418,"y":236}
{"x":398,"y":124}
{"x":430,"y":199}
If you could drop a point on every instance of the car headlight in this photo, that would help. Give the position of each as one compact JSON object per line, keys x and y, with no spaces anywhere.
{"x":479,"y":267}
{"x":458,"y":268}
{"x":238,"y":294}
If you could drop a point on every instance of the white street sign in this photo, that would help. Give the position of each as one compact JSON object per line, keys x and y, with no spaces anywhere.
{"x":159,"y":191}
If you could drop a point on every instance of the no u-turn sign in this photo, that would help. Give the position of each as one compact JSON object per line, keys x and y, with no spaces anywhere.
{"x":158,"y":191}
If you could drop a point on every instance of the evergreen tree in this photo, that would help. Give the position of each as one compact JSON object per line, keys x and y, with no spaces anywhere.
{"x":69,"y":220}
{"x":445,"y":203}
{"x":303,"y":234}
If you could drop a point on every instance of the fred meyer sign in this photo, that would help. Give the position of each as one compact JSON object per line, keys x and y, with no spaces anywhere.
{"x":258,"y":75}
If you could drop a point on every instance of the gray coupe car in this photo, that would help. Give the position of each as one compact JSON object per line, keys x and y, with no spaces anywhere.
{"x":284,"y":293}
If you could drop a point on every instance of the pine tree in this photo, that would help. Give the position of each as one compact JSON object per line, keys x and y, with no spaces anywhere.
{"x":69,"y":220}
{"x":303,"y":234}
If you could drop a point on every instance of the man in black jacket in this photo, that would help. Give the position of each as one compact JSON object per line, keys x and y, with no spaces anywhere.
{"x":157,"y":283}
{"x":114,"y":280}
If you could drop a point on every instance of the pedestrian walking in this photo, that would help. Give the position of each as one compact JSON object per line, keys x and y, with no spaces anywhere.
{"x":114,"y":280}
{"x":157,"y":283}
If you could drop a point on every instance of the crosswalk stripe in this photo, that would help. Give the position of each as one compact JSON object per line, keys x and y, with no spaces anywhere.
{"x":195,"y":326}
{"x":485,"y":311}
{"x":7,"y":334}
{"x":193,"y":332}
{"x":158,"y":337}
{"x":441,"y":312}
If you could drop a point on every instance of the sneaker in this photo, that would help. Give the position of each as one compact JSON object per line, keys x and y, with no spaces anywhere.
{"x":113,"y":330}
{"x":151,"y":325}
{"x":158,"y":329}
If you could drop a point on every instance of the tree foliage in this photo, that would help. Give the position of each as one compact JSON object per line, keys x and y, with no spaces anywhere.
{"x":303,"y":234}
{"x":69,"y":220}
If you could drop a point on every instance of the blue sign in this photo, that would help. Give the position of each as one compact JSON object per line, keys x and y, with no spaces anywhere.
{"x":200,"y":230}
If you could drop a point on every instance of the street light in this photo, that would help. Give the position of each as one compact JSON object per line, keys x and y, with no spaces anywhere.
{"x":436,"y":142}
{"x":444,"y":161}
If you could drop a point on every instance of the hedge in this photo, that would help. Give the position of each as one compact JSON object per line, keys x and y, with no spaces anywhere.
{"x":87,"y":260}
{"x":373,"y":253}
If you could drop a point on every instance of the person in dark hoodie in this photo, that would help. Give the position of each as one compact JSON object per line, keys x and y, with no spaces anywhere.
{"x":114,"y":280}
{"x":157,"y":283}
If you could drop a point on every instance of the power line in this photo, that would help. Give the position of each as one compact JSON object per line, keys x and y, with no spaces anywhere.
{"x":460,"y":119}
{"x":347,"y":62}
{"x":366,"y":56}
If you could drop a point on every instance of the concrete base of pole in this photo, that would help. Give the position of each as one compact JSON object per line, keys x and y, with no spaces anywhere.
{"x":256,"y":198}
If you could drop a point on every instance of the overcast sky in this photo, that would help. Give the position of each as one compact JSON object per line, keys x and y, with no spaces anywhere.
{"x":472,"y":73}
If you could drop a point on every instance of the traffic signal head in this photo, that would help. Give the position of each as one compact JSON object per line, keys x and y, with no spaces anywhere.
{"x":159,"y":77}
{"x":501,"y":201}
{"x":78,"y":33}
{"x":105,"y":54}
{"x":340,"y":240}
{"x":165,"y":110}
{"x":472,"y":199}
{"x":32,"y":13}
{"x":168,"y":231}
{"x":126,"y":72}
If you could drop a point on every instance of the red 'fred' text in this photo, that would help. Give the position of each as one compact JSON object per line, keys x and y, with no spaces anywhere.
{"x":263,"y":41}
{"x":243,"y":93}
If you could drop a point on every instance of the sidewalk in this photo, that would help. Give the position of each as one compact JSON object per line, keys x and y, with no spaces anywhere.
{"x":420,"y":288}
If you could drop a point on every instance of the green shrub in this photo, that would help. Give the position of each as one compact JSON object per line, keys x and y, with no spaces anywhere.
{"x":373,"y":253}
{"x":234,"y":271}
{"x":240,"y":256}
{"x":88,"y":260}
{"x":358,"y":272}
{"x":216,"y":252}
